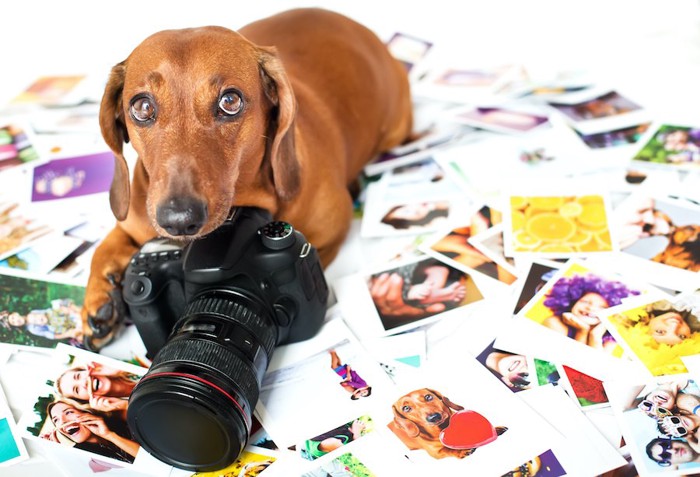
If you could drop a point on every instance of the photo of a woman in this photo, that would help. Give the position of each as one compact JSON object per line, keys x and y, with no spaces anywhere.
{"x":89,"y":430}
{"x":659,"y":332}
{"x":102,"y":387}
{"x":570,"y":301}
{"x":82,"y":405}
{"x":575,"y":302}
{"x":416,"y":215}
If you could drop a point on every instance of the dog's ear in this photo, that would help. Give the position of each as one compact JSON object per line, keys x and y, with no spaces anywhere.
{"x":446,"y":400}
{"x":114,"y":132}
{"x":281,"y":151}
{"x":406,"y":425}
{"x":452,"y":405}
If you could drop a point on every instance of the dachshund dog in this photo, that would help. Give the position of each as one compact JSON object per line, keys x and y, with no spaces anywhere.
{"x":419,"y":418}
{"x":281,"y":115}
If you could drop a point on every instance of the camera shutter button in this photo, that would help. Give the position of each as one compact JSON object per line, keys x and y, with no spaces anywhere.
{"x":277,"y":235}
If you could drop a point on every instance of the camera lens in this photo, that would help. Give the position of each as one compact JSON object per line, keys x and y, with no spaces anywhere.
{"x":193,"y":408}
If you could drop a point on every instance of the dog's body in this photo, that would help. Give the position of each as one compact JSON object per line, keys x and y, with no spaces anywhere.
{"x":419,"y":418}
{"x":220,"y":119}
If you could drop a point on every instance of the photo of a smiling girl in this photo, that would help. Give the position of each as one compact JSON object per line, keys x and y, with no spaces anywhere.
{"x":82,"y":405}
{"x":659,"y":331}
{"x":89,"y":430}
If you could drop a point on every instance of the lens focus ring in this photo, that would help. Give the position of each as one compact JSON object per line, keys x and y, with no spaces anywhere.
{"x":262,"y":327}
{"x":212,"y":355}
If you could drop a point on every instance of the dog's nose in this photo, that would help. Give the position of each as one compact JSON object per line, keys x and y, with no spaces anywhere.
{"x":182,"y":215}
{"x":434,"y":417}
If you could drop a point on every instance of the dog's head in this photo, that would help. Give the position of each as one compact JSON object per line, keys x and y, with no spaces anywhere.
{"x":423,"y":412}
{"x":211,"y":116}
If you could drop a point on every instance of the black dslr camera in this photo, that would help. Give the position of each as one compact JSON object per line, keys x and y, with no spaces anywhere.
{"x":210,"y":315}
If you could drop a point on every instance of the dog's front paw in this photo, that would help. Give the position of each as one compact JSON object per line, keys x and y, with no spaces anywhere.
{"x":103,"y":313}
{"x":458,"y":453}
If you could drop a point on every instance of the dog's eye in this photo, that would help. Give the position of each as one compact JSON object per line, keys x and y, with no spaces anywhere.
{"x":428,"y":397}
{"x":406,"y":408}
{"x":143,"y":109}
{"x":231,"y":103}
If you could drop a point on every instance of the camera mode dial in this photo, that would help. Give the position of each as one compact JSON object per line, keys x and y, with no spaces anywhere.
{"x":277,"y":235}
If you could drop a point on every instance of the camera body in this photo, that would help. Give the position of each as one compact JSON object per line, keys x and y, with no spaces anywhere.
{"x":270,"y":260}
{"x":210,"y":314}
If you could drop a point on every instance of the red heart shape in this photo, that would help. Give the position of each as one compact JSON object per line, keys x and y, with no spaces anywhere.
{"x":467,"y":430}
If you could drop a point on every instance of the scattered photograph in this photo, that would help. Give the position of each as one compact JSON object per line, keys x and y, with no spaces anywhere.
{"x":501,"y":119}
{"x":51,"y":91}
{"x":251,"y":463}
{"x":558,"y":226}
{"x":658,"y":423}
{"x":471,"y":78}
{"x":12,"y":448}
{"x":513,"y":370}
{"x":43,"y":255}
{"x":73,"y":177}
{"x":588,"y":391}
{"x":335,"y":438}
{"x":618,"y":137}
{"x":418,"y":151}
{"x":545,"y":464}
{"x":82,"y":406}
{"x":408,"y":49}
{"x":39,"y":313}
{"x":456,"y":247}
{"x":582,"y":449}
{"x":346,"y":465}
{"x":659,"y":238}
{"x":439,"y":421}
{"x":331,"y":374}
{"x":609,"y":104}
{"x":657,"y":330}
{"x":467,"y":85}
{"x":539,"y":273}
{"x":402,"y":205}
{"x":16,"y":146}
{"x":18,"y":227}
{"x":569,"y":304}
{"x":672,"y":146}
{"x":428,"y":287}
{"x":498,"y":164}
{"x":490,"y":243}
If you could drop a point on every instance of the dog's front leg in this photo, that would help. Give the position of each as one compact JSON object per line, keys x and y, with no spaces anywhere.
{"x":103,"y":308}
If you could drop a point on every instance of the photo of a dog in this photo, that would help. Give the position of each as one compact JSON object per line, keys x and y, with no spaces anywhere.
{"x":421,"y":416}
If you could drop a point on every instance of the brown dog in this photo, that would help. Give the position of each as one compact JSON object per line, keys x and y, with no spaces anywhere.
{"x":419,"y":418}
{"x":282,"y":115}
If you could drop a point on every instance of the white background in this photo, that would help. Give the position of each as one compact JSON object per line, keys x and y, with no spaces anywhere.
{"x":638,"y":43}
{"x":650,"y":49}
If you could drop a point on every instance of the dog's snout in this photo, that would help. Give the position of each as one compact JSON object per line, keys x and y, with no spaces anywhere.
{"x":434,"y":418}
{"x":182,"y":216}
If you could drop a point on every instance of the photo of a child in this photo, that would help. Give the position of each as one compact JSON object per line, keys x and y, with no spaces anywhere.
{"x":672,"y":145}
{"x":658,"y":331}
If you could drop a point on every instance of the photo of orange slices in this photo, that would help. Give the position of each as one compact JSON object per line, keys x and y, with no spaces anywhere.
{"x":559,"y":224}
